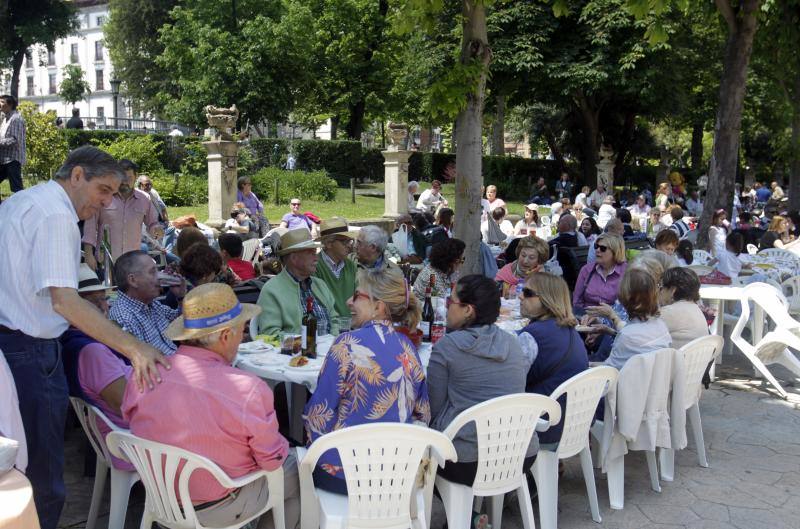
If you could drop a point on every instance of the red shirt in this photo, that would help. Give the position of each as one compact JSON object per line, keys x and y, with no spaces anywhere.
{"x":241,"y":268}
{"x":206,"y":406}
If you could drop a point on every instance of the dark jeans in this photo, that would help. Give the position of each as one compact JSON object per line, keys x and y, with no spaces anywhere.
{"x":12,"y":171}
{"x":42,"y":389}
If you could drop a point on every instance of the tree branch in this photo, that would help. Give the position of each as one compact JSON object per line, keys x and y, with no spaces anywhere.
{"x":725,"y":9}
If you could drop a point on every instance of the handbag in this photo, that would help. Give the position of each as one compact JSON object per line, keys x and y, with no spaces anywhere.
{"x":715,"y":277}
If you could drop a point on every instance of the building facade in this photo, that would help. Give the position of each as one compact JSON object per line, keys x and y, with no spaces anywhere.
{"x":42,"y":70}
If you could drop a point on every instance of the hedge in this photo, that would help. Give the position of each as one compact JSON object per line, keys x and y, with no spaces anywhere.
{"x":313,"y":185}
{"x":180,"y":190}
{"x":340,"y":159}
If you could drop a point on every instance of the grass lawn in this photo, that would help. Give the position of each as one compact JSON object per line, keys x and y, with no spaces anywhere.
{"x":366,"y":207}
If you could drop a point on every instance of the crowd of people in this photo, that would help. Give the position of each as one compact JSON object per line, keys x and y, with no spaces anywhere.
{"x":145,"y":349}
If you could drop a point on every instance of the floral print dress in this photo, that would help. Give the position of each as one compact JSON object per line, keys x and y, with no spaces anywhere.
{"x":371,"y":374}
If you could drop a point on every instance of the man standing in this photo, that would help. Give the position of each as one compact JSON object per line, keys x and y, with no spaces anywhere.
{"x":39,"y":286}
{"x":12,"y":143}
{"x":146,"y":186}
{"x":564,"y":187}
{"x":129,"y":209}
{"x":75,"y":122}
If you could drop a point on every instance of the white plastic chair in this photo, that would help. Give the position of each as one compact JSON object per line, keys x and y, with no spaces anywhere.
{"x":381,"y":462}
{"x":696,"y":356}
{"x":791,"y":289}
{"x":165,"y":471}
{"x":121,"y":480}
{"x":701,"y":257}
{"x":772,"y":348}
{"x":504,"y":427}
{"x":752,"y":249}
{"x":250,"y":250}
{"x":583,"y":392}
{"x":253,"y":328}
{"x":779,"y":253}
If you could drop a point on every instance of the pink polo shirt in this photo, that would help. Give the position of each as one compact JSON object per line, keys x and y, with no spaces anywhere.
{"x":206,"y":406}
{"x":124,"y":219}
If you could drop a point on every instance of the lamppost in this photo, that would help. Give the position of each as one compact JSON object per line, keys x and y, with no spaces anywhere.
{"x":115,"y":94}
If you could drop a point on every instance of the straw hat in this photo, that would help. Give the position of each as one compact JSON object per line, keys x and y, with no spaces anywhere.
{"x":88,"y":282}
{"x":297,"y":241}
{"x":335,"y":226}
{"x":207,"y":309}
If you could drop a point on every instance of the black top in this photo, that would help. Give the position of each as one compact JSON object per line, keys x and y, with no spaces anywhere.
{"x":74,"y":123}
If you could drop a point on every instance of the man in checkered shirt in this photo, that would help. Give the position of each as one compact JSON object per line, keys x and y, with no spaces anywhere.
{"x":12,"y":143}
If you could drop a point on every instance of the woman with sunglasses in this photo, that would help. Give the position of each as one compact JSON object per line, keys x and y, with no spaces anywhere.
{"x":372,"y":373}
{"x":474,"y":362}
{"x":445,"y":259}
{"x":557,"y":348}
{"x":598,"y":281}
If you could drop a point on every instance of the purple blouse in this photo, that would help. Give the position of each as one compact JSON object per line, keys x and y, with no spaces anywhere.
{"x":251,"y":202}
{"x":592,"y":288}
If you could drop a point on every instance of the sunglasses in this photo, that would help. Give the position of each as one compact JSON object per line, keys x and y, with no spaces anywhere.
{"x":449,"y":302}
{"x":295,"y":203}
{"x":360,"y":295}
{"x":600,"y":248}
{"x":529,"y":293}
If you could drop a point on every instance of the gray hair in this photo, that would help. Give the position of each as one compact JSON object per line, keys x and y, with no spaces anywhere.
{"x":205,"y":341}
{"x":375,"y":236}
{"x":94,"y":162}
{"x":127,"y":264}
{"x":654,"y":262}
{"x":413,"y":185}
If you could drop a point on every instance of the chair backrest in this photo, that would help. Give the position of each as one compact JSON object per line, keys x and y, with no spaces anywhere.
{"x":380,"y":463}
{"x":253,"y":328}
{"x":701,"y":257}
{"x":791,"y":288}
{"x":697,"y":354}
{"x":779,"y":253}
{"x":504,"y":427}
{"x":250,"y":249}
{"x":88,"y":415}
{"x":165,"y":471}
{"x":583,"y":391}
{"x":771,"y":299}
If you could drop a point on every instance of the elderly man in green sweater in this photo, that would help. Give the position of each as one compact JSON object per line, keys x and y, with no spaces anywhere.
{"x":335,"y":267}
{"x":283,"y":298}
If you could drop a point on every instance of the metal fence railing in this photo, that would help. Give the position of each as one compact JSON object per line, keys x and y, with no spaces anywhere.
{"x":128,"y":124}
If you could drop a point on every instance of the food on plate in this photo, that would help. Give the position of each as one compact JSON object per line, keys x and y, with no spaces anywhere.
{"x":269,"y":339}
{"x":298,"y":361}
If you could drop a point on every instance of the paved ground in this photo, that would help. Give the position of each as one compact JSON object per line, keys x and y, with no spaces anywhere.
{"x":753,"y":440}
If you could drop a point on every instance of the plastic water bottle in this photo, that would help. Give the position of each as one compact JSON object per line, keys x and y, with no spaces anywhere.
{"x":518,"y":291}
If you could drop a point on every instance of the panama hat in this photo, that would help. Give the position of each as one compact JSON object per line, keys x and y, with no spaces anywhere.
{"x":88,"y":282}
{"x":335,"y":226}
{"x":297,"y":241}
{"x":207,"y":309}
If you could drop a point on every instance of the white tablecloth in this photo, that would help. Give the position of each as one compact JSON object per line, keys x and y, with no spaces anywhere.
{"x":776,"y":268}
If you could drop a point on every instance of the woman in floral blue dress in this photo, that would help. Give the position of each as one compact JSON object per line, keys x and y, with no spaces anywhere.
{"x":372,"y":373}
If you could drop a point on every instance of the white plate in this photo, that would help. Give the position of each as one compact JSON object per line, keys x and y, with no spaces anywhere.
{"x":266,"y":360}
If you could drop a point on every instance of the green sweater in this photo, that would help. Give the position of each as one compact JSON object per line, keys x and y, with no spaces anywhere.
{"x":342,"y":287}
{"x":280,"y":304}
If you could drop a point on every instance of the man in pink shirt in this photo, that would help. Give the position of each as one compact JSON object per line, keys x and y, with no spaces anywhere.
{"x":206,"y":406}
{"x":129,"y":210}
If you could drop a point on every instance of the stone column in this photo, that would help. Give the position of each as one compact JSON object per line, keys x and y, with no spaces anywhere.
{"x":395,"y":182}
{"x":222,"y":173}
{"x":605,"y":169}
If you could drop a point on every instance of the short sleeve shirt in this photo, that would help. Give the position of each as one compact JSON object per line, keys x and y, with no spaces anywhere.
{"x":296,"y":221}
{"x":41,"y":226}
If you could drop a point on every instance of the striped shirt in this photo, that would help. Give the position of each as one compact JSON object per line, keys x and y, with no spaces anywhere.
{"x":40,"y":244}
{"x":146,"y":322}
{"x":12,"y":139}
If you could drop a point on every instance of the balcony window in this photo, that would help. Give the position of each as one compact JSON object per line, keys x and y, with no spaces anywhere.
{"x":29,"y":88}
{"x":101,"y":112}
{"x":98,"y":80}
{"x":52,"y":87}
{"x":51,"y":58}
{"x":73,"y":53}
{"x":28,"y":59}
{"x":98,"y":50}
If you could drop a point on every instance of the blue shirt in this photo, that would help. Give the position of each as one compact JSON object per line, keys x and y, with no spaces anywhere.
{"x":763,"y":194}
{"x":371,"y":374}
{"x":145,"y":322}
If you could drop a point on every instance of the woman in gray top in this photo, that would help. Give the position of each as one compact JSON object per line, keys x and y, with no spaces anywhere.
{"x":474,"y":362}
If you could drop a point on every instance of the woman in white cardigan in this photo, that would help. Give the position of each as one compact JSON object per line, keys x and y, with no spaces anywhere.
{"x":680,"y":292}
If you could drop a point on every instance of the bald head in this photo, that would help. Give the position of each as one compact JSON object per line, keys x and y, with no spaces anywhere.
{"x":567,"y":223}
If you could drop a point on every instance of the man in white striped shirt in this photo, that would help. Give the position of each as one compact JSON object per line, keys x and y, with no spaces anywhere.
{"x":12,"y":143}
{"x":38,"y":287}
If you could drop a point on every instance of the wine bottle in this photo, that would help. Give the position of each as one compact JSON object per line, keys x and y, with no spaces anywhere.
{"x":309,"y":330}
{"x":427,"y":313}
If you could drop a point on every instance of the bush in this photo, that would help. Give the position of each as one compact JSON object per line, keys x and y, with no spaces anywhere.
{"x":143,"y":150}
{"x":180,"y":189}
{"x":372,"y":164}
{"x":46,"y":148}
{"x":313,"y":185}
{"x":340,"y":159}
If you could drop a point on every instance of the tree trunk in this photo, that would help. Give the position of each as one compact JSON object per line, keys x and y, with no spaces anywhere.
{"x":498,"y":145}
{"x":16,"y":66}
{"x":453,"y":138}
{"x":591,"y":127}
{"x":555,"y":150}
{"x":425,"y":138}
{"x":355,"y":123}
{"x":697,"y":146}
{"x":725,"y":156}
{"x":468,"y":136}
{"x":334,"y":127}
{"x":624,"y":147}
{"x":794,"y":177}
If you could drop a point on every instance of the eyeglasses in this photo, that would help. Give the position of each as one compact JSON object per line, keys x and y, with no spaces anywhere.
{"x":449,"y":302}
{"x":345,"y":241}
{"x":529,"y":293}
{"x":461,"y":260}
{"x":360,"y":295}
{"x":295,"y":203}
{"x":600,"y":248}
{"x":147,"y":185}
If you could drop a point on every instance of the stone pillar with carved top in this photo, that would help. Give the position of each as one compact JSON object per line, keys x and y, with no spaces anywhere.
{"x":396,"y":171}
{"x":222,"y":175}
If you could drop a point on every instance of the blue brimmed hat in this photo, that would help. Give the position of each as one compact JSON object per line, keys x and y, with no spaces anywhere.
{"x":207,"y":309}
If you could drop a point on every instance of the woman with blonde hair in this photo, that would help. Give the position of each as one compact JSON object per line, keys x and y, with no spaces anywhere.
{"x":598,"y":281}
{"x":777,"y":235}
{"x":372,"y":373}
{"x":663,"y":194}
{"x":559,"y":352}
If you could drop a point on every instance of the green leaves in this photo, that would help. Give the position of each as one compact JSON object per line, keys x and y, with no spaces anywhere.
{"x":46,"y":146}
{"x":73,"y":86}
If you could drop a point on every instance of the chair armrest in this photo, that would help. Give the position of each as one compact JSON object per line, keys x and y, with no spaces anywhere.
{"x":542,"y":425}
{"x":241,"y":481}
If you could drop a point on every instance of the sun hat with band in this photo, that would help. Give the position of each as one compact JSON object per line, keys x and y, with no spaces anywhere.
{"x":88,"y":282}
{"x":297,"y":241}
{"x":335,"y":226}
{"x":207,"y":309}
